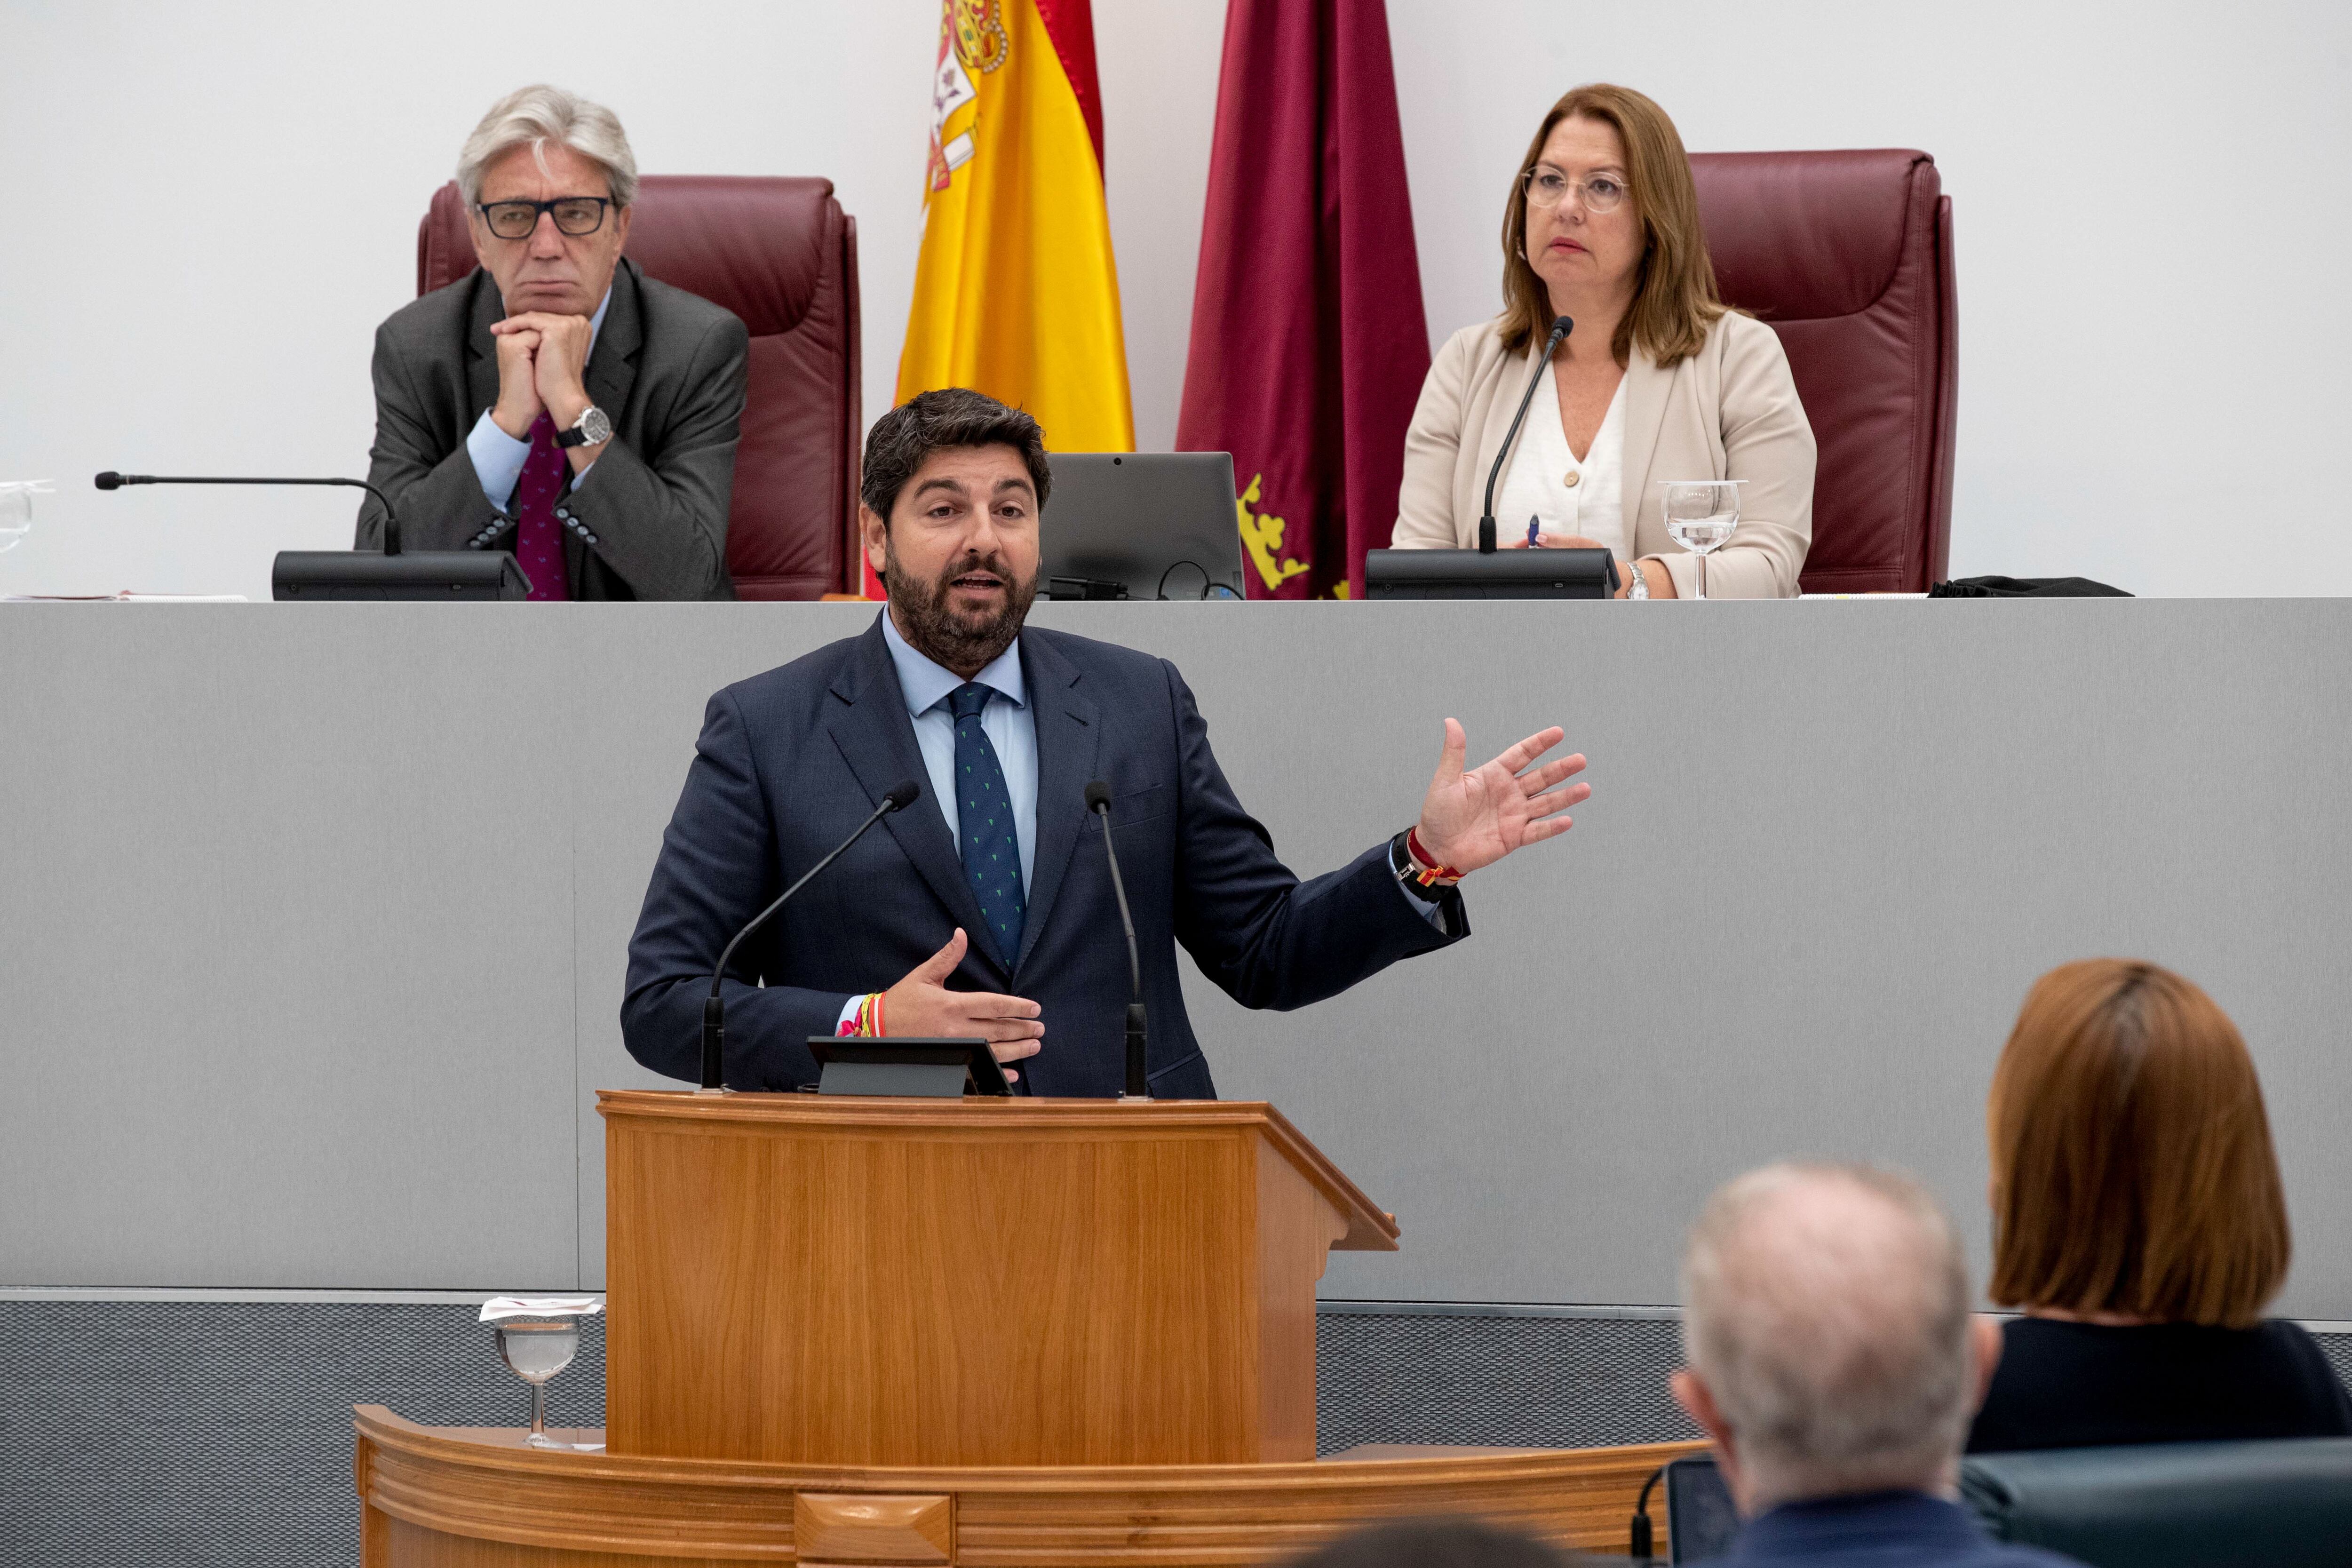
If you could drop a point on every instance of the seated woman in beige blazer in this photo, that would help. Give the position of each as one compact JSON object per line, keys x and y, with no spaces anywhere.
{"x":1658,"y":381}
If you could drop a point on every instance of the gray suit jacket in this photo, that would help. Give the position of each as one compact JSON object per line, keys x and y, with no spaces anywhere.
{"x":669,"y":367}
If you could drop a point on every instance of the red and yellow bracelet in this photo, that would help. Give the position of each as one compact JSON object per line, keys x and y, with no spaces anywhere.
{"x":1427,"y":871}
{"x":868,"y":1020}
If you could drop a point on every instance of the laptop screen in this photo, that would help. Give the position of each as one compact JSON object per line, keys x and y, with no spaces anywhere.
{"x":1700,"y":1518}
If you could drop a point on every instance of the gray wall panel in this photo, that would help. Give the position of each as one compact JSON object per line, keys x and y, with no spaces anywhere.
{"x":1830,"y":847}
{"x":651,"y":670}
{"x":284,"y":1003}
{"x":1832,"y":844}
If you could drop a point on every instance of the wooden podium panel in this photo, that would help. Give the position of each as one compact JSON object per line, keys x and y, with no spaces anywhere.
{"x":812,"y":1280}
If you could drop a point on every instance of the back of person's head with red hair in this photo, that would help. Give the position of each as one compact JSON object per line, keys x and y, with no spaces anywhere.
{"x":2132,"y":1168}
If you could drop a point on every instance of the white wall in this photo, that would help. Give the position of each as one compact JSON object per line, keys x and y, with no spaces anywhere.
{"x":205,"y":208}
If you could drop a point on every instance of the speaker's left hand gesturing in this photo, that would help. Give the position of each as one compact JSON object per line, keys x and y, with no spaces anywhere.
{"x":1475,"y":818}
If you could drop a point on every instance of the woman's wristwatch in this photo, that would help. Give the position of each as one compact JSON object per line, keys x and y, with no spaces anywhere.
{"x":1639,"y":588}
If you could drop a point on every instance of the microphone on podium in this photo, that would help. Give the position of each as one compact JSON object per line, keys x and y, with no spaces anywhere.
{"x":714,"y":1011}
{"x":1138,"y":1084}
{"x":1561,"y":327}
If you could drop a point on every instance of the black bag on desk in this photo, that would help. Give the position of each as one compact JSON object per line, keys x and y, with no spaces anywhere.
{"x":2024,"y":588}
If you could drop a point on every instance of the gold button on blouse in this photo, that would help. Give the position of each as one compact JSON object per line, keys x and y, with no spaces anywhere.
{"x":1570,"y":479}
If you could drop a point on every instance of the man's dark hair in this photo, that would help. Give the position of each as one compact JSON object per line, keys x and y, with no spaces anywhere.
{"x":1435,"y":1544}
{"x":903,"y":440}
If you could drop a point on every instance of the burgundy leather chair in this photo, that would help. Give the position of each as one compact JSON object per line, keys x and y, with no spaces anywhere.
{"x":783,"y":255}
{"x":1848,"y":256}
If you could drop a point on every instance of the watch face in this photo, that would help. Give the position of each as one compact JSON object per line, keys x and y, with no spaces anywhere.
{"x":595,"y":427}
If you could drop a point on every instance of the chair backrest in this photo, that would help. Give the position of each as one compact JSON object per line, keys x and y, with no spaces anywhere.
{"x":1848,"y":256}
{"x":2284,"y":1504}
{"x":783,"y":255}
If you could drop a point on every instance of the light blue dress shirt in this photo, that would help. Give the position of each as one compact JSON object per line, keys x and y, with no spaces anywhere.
{"x":498,"y":457}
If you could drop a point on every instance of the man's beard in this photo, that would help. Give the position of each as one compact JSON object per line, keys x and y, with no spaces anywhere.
{"x":939,"y":632}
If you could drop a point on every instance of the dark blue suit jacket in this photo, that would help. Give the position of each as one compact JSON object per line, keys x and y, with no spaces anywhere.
{"x":790,"y":761}
{"x":1881,"y":1530}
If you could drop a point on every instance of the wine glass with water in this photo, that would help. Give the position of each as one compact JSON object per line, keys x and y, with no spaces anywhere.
{"x":1700,"y":516}
{"x":16,"y":510}
{"x":536,"y":1350}
{"x":538,"y":1336}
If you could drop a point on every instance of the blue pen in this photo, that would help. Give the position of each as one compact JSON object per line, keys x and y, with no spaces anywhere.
{"x":1532,"y":525}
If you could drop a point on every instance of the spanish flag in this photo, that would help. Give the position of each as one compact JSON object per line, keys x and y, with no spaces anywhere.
{"x":1015,"y":291}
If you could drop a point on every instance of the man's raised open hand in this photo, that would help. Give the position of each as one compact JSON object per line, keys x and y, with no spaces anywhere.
{"x":922,"y":1006}
{"x":1475,"y":818}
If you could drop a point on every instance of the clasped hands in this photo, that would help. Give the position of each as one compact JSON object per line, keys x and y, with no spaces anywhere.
{"x":543,"y":361}
{"x":1470,"y":819}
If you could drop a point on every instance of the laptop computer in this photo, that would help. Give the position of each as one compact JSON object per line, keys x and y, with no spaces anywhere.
{"x":1700,"y":1517}
{"x":1141,"y":525}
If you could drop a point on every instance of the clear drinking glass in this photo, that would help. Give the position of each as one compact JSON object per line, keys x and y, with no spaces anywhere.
{"x":534,"y":1351}
{"x":1700,"y":516}
{"x":538,"y":1337}
{"x":16,"y":510}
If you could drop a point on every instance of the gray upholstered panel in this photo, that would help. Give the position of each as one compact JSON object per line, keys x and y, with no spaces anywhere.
{"x":316,"y":917}
{"x":217,"y":1433}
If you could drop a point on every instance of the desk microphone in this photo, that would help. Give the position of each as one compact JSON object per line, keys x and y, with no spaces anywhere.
{"x":1139,"y":1086}
{"x":1561,"y":327}
{"x":714,"y":1011}
{"x":111,"y":481}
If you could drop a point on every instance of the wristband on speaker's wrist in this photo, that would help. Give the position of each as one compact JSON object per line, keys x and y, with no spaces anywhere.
{"x":1427,"y":869}
{"x":867,"y":1021}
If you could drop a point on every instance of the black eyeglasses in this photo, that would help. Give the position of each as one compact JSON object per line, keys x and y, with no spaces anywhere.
{"x":574,"y":215}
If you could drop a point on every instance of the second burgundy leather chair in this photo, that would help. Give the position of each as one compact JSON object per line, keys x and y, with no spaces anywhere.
{"x":1848,"y":256}
{"x":783,"y":255}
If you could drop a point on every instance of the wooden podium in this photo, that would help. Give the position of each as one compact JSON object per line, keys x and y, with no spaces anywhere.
{"x":985,"y":1332}
{"x":823,"y":1280}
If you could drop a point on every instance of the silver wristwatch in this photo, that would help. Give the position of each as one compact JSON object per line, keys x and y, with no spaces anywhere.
{"x":592,"y":428}
{"x":1639,"y":588}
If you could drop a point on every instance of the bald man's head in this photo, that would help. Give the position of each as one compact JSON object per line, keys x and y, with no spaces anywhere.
{"x":1826,"y":1320}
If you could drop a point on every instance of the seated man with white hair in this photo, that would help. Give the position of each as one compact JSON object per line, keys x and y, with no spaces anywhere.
{"x":555,"y":401}
{"x":1834,"y":1364}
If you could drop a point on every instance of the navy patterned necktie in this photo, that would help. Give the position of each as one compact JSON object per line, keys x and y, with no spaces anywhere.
{"x":990,"y":847}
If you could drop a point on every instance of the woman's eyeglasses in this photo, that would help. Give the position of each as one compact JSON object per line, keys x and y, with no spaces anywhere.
{"x":1549,"y":187}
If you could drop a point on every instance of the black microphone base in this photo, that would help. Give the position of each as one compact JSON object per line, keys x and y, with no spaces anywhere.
{"x":304,"y":575}
{"x":1138,"y":1055}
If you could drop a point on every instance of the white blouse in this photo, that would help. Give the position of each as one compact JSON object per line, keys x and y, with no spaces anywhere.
{"x":1547,"y":482}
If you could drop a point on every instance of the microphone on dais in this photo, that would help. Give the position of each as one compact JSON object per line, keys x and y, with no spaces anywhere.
{"x":1561,"y":327}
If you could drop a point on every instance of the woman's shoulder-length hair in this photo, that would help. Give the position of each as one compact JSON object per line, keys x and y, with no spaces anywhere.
{"x":1675,"y":297}
{"x":2132,"y":1167}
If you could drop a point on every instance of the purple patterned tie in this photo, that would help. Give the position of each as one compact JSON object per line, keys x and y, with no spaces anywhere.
{"x":538,"y":544}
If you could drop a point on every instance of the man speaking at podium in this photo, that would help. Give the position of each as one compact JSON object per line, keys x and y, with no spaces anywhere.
{"x":985,"y":909}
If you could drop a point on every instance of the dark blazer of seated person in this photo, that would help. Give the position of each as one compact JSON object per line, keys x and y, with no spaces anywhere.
{"x":649,"y":521}
{"x":2141,"y":1225}
{"x":556,"y":402}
